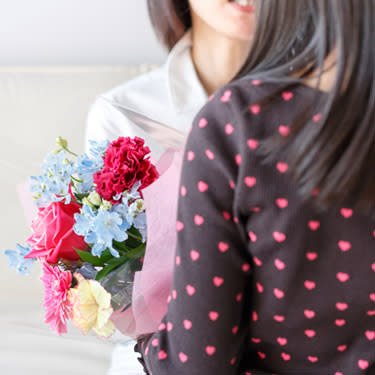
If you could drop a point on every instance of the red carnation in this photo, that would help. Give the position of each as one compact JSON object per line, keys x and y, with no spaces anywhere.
{"x":126,"y":162}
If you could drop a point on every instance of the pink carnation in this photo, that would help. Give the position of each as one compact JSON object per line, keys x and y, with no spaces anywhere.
{"x":126,"y":162}
{"x":56,"y":298}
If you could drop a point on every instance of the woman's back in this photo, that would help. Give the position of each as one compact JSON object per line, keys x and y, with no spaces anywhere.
{"x":313,"y":271}
{"x":288,"y":286}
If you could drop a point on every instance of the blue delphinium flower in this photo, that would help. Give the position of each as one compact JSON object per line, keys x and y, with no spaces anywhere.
{"x":53,"y":184}
{"x":140,"y":223}
{"x":108,"y":226}
{"x":84,"y":220}
{"x":124,"y":211}
{"x":101,"y":227}
{"x":86,"y":168}
{"x":133,"y":194}
{"x":16,"y":259}
{"x":97,"y":148}
{"x":88,"y":164}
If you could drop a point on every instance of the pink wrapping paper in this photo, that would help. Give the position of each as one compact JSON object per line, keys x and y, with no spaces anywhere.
{"x":152,"y":285}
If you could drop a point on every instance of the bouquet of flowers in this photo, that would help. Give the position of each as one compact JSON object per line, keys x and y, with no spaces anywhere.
{"x":90,"y":232}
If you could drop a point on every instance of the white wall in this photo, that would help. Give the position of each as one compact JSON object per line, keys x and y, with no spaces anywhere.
{"x":45,"y":32}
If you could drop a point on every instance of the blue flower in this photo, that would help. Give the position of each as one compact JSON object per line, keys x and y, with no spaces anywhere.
{"x":133,"y":194}
{"x":124,"y":211}
{"x":98,"y":148}
{"x":84,"y":221}
{"x":86,"y":168}
{"x":16,"y":259}
{"x":108,"y":226}
{"x":53,"y":184}
{"x":100,"y":228}
{"x":140,"y":223}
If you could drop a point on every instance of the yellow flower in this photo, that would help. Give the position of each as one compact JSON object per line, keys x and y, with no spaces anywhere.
{"x":91,"y":307}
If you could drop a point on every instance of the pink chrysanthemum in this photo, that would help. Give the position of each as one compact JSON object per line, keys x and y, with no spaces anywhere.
{"x":56,"y":302}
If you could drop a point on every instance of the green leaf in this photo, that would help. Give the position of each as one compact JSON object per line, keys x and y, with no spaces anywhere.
{"x":135,"y":238}
{"x":119,"y":261}
{"x":121,"y":246}
{"x":112,"y":265}
{"x":79,"y":197}
{"x":138,"y":252}
{"x":94,"y":260}
{"x":106,"y":256}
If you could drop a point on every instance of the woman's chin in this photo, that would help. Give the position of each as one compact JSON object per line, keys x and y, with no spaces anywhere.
{"x":244,"y":33}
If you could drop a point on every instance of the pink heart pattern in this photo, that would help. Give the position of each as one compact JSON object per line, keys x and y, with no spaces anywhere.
{"x":363,"y":364}
{"x":282,"y":167}
{"x":345,"y":245}
{"x":279,"y":264}
{"x":308,"y":272}
{"x":229,"y":129}
{"x":190,"y":290}
{"x":202,"y":123}
{"x":287,"y":95}
{"x":213,"y":315}
{"x":255,"y":109}
{"x":250,"y":181}
{"x":210,"y":350}
{"x":284,"y":130}
{"x":311,"y":256}
{"x":202,"y":186}
{"x":198,"y":220}
{"x":279,"y":237}
{"x":278,"y":293}
{"x":310,"y":314}
{"x":162,"y":355}
{"x":190,"y":156}
{"x":223,"y":247}
{"x":226,"y":96}
{"x":183,"y":357}
{"x":252,"y":144}
{"x":282,"y":203}
{"x":194,"y":255}
{"x":218,"y":281}
{"x":282,"y":341}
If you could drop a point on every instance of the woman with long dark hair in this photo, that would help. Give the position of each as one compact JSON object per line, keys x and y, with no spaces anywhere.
{"x":208,"y":41}
{"x":275,"y":263}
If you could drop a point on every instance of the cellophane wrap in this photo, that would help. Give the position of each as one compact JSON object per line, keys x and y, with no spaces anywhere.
{"x":152,"y":285}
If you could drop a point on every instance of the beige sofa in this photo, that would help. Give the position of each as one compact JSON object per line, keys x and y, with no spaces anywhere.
{"x":36,"y":105}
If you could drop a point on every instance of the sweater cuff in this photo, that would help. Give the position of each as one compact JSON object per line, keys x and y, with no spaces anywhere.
{"x":140,"y":347}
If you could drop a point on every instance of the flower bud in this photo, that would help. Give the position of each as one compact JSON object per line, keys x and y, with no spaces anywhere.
{"x":95,"y":198}
{"x":106,"y":205}
{"x":140,"y":205}
{"x":87,"y":202}
{"x":61,"y":142}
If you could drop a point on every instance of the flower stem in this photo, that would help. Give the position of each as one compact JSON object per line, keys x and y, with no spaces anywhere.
{"x":70,"y":152}
{"x":134,"y":236}
{"x":76,"y":179}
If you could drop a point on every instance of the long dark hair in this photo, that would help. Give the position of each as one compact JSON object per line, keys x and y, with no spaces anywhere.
{"x":335,"y":156}
{"x":170,"y":19}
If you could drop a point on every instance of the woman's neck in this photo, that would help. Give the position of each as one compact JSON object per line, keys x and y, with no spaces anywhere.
{"x":328,"y":76}
{"x":216,"y":58}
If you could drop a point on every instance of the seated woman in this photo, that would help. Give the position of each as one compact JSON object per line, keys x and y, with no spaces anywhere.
{"x":208,"y":43}
{"x":275,"y":263}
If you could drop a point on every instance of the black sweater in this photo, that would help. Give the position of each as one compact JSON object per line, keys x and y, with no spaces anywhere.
{"x":264,"y":282}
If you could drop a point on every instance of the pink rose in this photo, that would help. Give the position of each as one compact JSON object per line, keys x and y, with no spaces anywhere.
{"x":53,"y":236}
